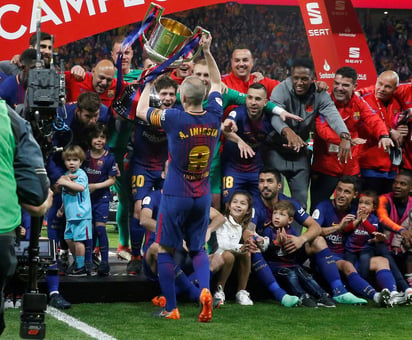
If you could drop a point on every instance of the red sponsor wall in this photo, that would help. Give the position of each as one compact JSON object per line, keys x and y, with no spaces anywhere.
{"x":336,"y":39}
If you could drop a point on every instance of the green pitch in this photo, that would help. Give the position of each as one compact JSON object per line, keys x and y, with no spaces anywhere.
{"x":264,"y":320}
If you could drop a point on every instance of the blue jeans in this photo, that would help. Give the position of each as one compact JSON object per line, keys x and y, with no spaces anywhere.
{"x":360,"y":260}
{"x":297,"y":281}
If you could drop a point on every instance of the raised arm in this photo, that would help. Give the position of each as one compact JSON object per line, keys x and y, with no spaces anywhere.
{"x":215,"y":82}
{"x":143,"y":104}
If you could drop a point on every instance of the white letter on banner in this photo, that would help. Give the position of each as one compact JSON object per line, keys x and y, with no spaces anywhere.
{"x":77,"y":6}
{"x":130,"y":3}
{"x":50,"y":15}
{"x":4,"y":33}
{"x":102,"y":6}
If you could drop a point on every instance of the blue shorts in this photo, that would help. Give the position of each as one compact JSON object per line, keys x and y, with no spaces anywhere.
{"x":234,"y":181}
{"x":144,"y":181}
{"x":337,"y":256}
{"x":183,"y":218}
{"x":100,"y":209}
{"x":80,"y":230}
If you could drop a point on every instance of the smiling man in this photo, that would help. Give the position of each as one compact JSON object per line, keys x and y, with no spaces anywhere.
{"x":377,"y":169}
{"x":356,"y":113}
{"x":287,"y":150}
{"x":241,"y":76}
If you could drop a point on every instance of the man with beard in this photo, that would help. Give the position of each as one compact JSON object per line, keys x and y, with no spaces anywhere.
{"x":356,"y":113}
{"x":306,"y":244}
{"x":242,"y":155}
{"x":13,"y":67}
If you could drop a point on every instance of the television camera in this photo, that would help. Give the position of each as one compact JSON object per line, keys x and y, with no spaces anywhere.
{"x":45,"y":94}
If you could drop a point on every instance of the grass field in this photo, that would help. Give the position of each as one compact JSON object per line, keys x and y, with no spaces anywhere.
{"x":264,"y":320}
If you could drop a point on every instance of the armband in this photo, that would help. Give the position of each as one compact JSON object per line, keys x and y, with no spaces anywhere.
{"x":278,"y":110}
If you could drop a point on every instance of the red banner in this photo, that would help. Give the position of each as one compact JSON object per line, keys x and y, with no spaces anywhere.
{"x":70,"y":20}
{"x":336,"y":39}
{"x":399,"y":4}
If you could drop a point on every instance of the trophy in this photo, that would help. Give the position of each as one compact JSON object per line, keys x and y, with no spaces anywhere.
{"x":168,"y":38}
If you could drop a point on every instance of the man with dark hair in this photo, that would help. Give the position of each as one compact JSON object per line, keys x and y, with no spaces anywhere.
{"x":242,"y":155}
{"x":334,"y":215}
{"x":147,"y":163}
{"x":393,"y":210}
{"x":287,"y":151}
{"x":13,"y":88}
{"x":304,"y":245}
{"x":326,"y":169}
{"x":13,"y":67}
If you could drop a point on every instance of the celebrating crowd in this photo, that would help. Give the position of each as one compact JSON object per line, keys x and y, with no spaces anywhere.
{"x":200,"y":162}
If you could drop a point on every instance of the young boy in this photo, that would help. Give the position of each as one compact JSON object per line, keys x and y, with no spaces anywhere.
{"x":101,"y":169}
{"x":76,"y":206}
{"x":285,"y":267}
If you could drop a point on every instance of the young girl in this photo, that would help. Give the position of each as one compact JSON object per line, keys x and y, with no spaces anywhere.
{"x":358,"y":248}
{"x":238,"y":214}
{"x":101,"y":170}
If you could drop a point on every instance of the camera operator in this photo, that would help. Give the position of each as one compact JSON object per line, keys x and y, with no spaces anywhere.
{"x":24,"y":183}
{"x":13,"y":88}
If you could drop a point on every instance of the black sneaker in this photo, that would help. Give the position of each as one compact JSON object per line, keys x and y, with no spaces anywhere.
{"x":307,"y":301}
{"x":134,"y":266}
{"x":104,"y":269}
{"x":59,"y":302}
{"x":96,"y":261}
{"x":78,"y":272}
{"x":326,"y":301}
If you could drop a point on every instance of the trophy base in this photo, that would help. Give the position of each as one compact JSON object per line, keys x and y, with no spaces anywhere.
{"x":157,"y":57}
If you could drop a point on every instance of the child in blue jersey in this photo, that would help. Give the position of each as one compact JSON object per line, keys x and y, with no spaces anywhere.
{"x":76,"y":206}
{"x":358,"y":248}
{"x":101,"y":170}
{"x":285,"y":266}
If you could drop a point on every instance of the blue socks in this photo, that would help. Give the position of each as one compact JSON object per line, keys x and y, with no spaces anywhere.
{"x":328,"y":269}
{"x":165,"y":267}
{"x":103,"y":243}
{"x":360,"y":286}
{"x":201,"y":266}
{"x":385,"y":279}
{"x":137,"y":233}
{"x":265,"y":275}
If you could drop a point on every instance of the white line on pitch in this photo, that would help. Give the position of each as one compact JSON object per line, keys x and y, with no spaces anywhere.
{"x":80,"y":325}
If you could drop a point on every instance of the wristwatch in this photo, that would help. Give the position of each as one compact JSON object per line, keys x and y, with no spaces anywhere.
{"x":345,"y":135}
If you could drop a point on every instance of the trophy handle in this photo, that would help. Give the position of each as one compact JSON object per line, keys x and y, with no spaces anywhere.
{"x":197,"y":29}
{"x":159,"y":13}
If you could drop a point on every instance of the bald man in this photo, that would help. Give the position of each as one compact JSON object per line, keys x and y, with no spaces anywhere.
{"x":377,"y":169}
{"x":241,"y":76}
{"x":101,"y":80}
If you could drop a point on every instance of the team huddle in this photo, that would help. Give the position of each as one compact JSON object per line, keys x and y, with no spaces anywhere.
{"x":199,"y":175}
